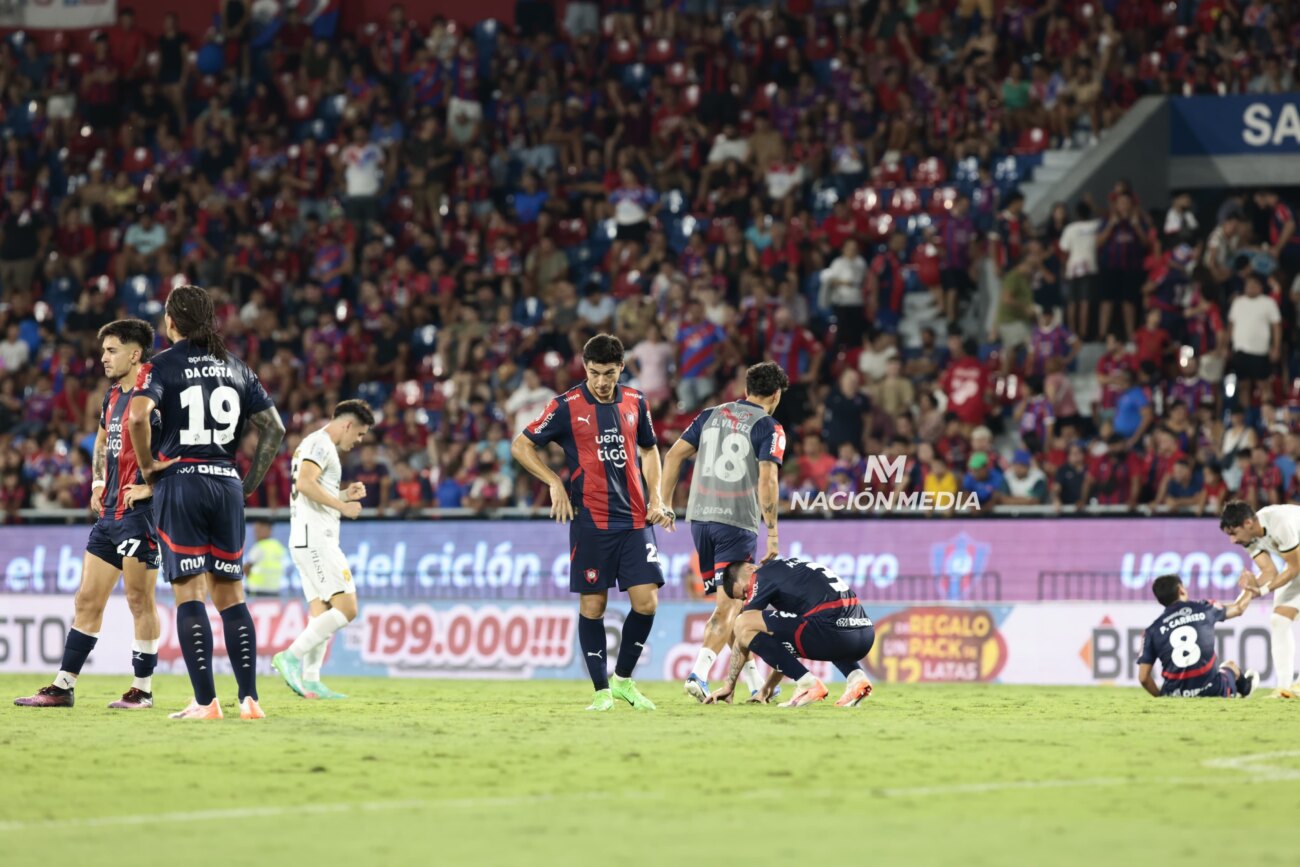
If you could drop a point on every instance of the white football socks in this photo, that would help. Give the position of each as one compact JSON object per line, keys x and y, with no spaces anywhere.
{"x":704,"y":663}
{"x":1283,"y":649}
{"x":141,"y":645}
{"x":318,"y":632}
{"x":314,"y":659}
{"x":749,"y":674}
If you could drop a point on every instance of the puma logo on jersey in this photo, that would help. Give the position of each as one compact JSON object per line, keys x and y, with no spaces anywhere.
{"x":585,"y":419}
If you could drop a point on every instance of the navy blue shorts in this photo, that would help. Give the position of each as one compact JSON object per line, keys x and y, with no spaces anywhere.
{"x":828,"y":637}
{"x":718,"y":545}
{"x":1220,"y":684}
{"x":200,"y":523}
{"x":132,"y":535}
{"x":599,"y":558}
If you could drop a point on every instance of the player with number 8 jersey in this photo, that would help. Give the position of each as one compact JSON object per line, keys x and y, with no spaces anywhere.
{"x":207,"y":398}
{"x":1182,"y":639}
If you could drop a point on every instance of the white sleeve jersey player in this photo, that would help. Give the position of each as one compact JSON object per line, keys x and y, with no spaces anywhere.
{"x":312,"y":525}
{"x":1281,"y":534}
{"x":1281,"y":530}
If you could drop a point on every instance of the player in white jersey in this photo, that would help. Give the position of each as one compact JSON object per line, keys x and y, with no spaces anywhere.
{"x":315,"y":506}
{"x":1272,"y":530}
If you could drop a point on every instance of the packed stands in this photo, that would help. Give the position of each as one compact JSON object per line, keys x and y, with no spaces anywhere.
{"x":434,"y":217}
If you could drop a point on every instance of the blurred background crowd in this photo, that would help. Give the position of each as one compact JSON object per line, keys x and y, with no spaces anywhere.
{"x":435,"y":218}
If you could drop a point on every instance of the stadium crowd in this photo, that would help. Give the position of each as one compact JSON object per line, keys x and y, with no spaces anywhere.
{"x":435,"y":218}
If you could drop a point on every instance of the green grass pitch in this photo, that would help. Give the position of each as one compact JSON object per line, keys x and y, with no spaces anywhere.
{"x":468,"y":773}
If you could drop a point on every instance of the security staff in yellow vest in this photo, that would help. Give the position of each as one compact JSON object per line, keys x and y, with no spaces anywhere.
{"x":267,"y":561}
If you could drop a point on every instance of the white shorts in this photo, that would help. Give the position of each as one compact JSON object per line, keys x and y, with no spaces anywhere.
{"x":1287,"y":595}
{"x":324,"y":571}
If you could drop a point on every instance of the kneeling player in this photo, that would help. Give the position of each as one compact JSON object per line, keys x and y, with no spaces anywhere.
{"x":815,"y":614}
{"x":124,"y":541}
{"x":1182,"y":638}
{"x":315,"y":505}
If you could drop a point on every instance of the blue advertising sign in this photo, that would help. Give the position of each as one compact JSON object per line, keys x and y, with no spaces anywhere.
{"x":1251,"y":124}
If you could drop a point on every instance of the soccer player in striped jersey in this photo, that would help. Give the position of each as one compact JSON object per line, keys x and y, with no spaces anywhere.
{"x":613,"y":503}
{"x":739,"y":448}
{"x":123,"y":541}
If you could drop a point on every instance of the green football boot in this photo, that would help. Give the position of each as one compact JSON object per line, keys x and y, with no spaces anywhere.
{"x":625,"y":688}
{"x":603,"y":700}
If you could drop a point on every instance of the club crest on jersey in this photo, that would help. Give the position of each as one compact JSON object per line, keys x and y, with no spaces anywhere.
{"x":630,"y":416}
{"x":593,"y":575}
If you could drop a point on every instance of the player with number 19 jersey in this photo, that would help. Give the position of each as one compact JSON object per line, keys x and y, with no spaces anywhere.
{"x":1182,"y":638}
{"x":199,"y":501}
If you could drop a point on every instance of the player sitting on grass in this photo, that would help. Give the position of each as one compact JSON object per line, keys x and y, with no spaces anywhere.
{"x":1182,"y":638}
{"x":1273,"y":530}
{"x":814,"y":614}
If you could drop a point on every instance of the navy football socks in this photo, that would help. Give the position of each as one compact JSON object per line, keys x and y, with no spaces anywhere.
{"x":636,"y":629}
{"x":241,"y":647}
{"x":769,"y":649}
{"x":194,"y":631}
{"x":76,"y":649}
{"x":591,"y":640}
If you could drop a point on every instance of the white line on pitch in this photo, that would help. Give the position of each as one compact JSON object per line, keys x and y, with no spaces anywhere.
{"x":1253,"y":774}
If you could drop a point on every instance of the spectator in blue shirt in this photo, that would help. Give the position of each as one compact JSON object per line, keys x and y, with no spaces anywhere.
{"x":982,"y":480}
{"x":1132,"y":410}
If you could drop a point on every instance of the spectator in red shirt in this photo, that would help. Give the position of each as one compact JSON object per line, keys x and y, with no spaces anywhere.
{"x":966,"y":382}
{"x":815,"y":464}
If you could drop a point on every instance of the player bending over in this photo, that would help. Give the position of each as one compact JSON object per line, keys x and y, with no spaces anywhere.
{"x":315,"y":505}
{"x":740,"y":448}
{"x":207,"y":396}
{"x":815,"y":614}
{"x":615,"y":503}
{"x":123,"y":541}
{"x":1272,"y":530}
{"x":1182,"y":638}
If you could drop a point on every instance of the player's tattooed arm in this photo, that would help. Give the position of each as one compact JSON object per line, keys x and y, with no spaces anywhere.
{"x":769,"y":495}
{"x":98,"y":472}
{"x":738,"y":657}
{"x":681,"y":452}
{"x":270,"y":433}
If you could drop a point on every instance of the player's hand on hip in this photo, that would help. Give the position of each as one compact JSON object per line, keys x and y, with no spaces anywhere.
{"x":133,"y":494}
{"x":773,"y":549}
{"x":720,"y":695}
{"x":154,"y":470}
{"x":351,"y":510}
{"x":97,"y":502}
{"x":561,"y":505}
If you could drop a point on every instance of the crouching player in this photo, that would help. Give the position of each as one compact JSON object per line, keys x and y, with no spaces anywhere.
{"x":1182,"y":638}
{"x":815,"y":615}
